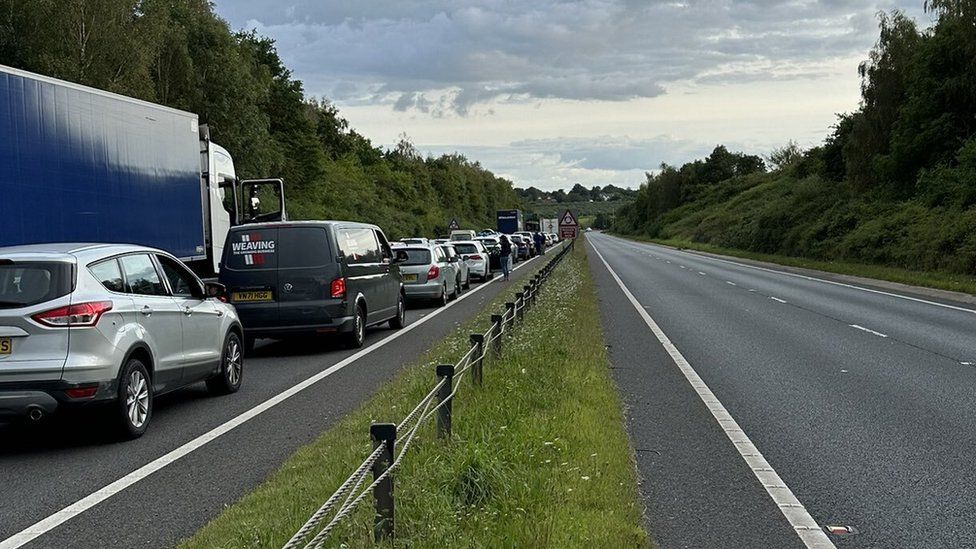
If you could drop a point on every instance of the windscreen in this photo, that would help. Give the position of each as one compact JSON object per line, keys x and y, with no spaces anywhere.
{"x":24,"y":283}
{"x":416,"y":256}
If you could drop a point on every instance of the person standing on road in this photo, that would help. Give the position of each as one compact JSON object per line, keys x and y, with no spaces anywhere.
{"x":539,"y":243}
{"x":506,"y":255}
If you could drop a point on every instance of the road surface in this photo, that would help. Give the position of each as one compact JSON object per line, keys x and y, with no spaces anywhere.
{"x":45,"y":470}
{"x":858,"y":403}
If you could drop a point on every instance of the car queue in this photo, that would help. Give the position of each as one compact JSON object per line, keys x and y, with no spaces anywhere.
{"x":113,"y":326}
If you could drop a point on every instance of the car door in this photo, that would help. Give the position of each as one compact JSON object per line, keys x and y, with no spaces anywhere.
{"x":450,"y":269}
{"x":200,"y":323}
{"x":158,"y":315}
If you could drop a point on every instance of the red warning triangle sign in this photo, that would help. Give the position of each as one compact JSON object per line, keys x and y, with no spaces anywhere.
{"x":568,"y":219}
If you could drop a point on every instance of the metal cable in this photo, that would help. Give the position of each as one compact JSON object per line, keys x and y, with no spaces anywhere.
{"x":426,"y":399}
{"x":319,"y":515}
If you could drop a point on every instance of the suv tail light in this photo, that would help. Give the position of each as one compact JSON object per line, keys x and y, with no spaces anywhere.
{"x":433,"y":272}
{"x":338,"y":288}
{"x":475,"y":257}
{"x":82,"y":314}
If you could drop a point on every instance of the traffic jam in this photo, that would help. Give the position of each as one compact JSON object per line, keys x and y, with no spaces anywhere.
{"x":106,"y":303}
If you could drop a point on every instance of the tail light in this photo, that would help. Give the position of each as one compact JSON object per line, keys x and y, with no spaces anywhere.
{"x":433,"y":272}
{"x":338,"y":288}
{"x":82,"y":314}
{"x":475,"y":257}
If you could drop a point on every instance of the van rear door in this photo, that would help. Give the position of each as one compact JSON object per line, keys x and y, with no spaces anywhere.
{"x":306,"y":268}
{"x":250,"y":273}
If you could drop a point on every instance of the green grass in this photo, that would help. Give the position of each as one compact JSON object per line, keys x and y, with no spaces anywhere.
{"x":539,"y":456}
{"x":928,"y":279}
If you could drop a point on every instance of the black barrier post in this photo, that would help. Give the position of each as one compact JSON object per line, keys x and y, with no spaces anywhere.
{"x":496,"y":330}
{"x":520,"y":305}
{"x":510,"y":311}
{"x":383,"y":519}
{"x":478,"y":340}
{"x":527,"y":294}
{"x":446,"y":373}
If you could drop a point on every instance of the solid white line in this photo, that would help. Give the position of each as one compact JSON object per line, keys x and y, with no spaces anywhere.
{"x":862,"y":328}
{"x":53,"y":521}
{"x":815,"y":279}
{"x":777,"y":299}
{"x":803,"y":524}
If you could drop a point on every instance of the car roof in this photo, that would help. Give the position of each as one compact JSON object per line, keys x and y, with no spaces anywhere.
{"x":68,"y":251}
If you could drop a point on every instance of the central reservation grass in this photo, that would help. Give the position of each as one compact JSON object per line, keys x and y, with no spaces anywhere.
{"x":539,"y":456}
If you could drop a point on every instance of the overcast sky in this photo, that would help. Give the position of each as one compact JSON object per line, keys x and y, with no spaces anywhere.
{"x":556,"y":92}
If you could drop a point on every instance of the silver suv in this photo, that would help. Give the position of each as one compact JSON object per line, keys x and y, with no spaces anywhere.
{"x":109,"y":323}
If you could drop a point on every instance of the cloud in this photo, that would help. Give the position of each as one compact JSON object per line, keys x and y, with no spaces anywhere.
{"x":444,"y":57}
{"x":556,"y":163}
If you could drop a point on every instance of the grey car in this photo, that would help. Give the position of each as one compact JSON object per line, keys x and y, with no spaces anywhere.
{"x":107,"y":323}
{"x":429,"y":274}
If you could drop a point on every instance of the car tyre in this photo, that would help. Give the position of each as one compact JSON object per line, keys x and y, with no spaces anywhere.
{"x":134,"y":407}
{"x":356,"y":338}
{"x":442,"y":302}
{"x":457,"y":288}
{"x":231,"y":374}
{"x":467,"y":282}
{"x":400,"y":320}
{"x":248,"y":345}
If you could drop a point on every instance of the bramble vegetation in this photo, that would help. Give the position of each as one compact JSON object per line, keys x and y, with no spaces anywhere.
{"x":894,"y":185}
{"x":180,"y":54}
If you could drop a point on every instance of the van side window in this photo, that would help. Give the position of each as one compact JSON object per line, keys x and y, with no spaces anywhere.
{"x":359,"y":246}
{"x":384,"y":245}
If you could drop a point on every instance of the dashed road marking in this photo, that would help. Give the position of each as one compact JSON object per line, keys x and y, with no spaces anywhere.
{"x":701,"y":273}
{"x":730,"y":283}
{"x":777,"y":299}
{"x":809,"y":532}
{"x":868,"y":330}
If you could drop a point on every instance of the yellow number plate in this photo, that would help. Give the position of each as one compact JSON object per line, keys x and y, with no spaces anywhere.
{"x":6,"y":345}
{"x":409,"y":278}
{"x":251,"y":296}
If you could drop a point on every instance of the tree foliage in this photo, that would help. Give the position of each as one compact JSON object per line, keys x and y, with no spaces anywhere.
{"x":894,"y":183}
{"x":180,"y":54}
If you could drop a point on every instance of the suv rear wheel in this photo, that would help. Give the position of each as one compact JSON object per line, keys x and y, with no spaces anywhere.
{"x":231,"y":368}
{"x":356,"y":338}
{"x":135,"y":403}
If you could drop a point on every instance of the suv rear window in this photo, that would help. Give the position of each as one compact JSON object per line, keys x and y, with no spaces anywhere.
{"x":25,"y":283}
{"x":416,"y":256}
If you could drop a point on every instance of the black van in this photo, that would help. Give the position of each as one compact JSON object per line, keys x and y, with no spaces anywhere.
{"x":312,"y":277}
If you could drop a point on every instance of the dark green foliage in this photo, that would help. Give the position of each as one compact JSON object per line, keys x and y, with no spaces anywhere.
{"x":180,"y":54}
{"x":895,"y":184}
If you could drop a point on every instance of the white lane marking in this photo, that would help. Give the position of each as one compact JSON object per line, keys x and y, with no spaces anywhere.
{"x":701,"y":273}
{"x":730,"y":283}
{"x":777,"y":299}
{"x":682,"y":266}
{"x":832,"y":282}
{"x":862,"y":328}
{"x":53,"y":521}
{"x":966,"y":363}
{"x":796,"y":514}
{"x":668,"y":261}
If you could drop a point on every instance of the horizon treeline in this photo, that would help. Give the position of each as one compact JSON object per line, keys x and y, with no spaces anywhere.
{"x":179,"y":53}
{"x":893,"y":184}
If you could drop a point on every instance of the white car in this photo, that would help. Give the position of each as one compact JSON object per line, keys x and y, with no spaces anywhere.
{"x":477,"y":258}
{"x":112,"y":324}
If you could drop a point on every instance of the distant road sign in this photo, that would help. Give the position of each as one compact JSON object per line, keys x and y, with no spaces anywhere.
{"x":454,"y":225}
{"x":568,"y":227}
{"x":568,"y":219}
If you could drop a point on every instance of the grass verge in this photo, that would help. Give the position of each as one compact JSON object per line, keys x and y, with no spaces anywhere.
{"x":539,"y":456}
{"x":928,"y":279}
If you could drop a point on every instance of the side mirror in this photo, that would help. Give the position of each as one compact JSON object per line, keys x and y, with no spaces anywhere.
{"x":217,"y":291}
{"x":400,"y":256}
